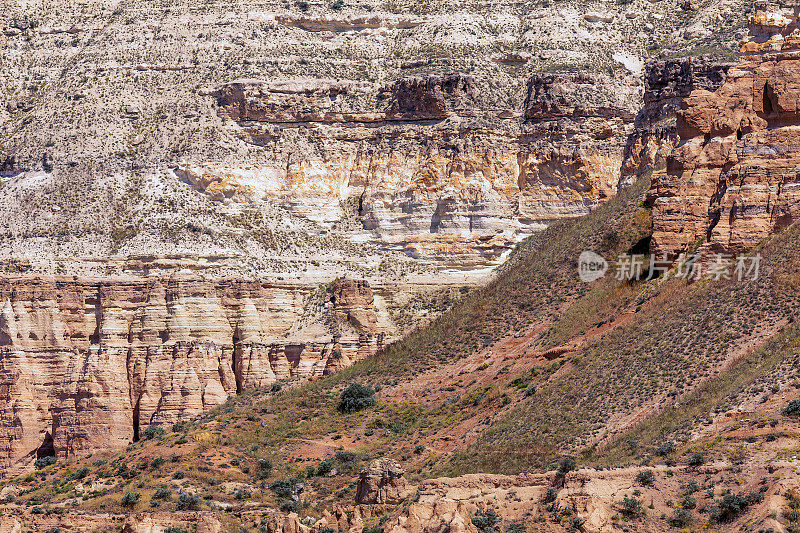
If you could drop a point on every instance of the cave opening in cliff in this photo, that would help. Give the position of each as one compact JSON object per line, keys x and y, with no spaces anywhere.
{"x":767,"y":101}
{"x":136,"y":421}
{"x":46,"y":449}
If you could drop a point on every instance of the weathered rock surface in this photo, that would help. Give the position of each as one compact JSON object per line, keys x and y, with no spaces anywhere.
{"x":732,"y":179}
{"x":436,"y":172}
{"x":88,"y":364}
{"x":381,"y":482}
{"x":655,"y":135}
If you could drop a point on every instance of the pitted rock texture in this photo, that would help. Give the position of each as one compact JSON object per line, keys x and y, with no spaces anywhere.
{"x":436,"y":172}
{"x":732,"y":180}
{"x":383,"y":140}
{"x":655,"y":135}
{"x":382,"y":482}
{"x":88,"y":364}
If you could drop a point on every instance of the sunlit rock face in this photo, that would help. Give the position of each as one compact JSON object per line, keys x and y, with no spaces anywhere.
{"x":732,"y":179}
{"x":88,"y":364}
{"x":429,"y":167}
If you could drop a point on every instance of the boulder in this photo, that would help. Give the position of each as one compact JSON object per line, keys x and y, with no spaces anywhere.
{"x":382,"y":482}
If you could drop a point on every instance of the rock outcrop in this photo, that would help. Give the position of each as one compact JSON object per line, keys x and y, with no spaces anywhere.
{"x":429,"y":167}
{"x":655,"y":135}
{"x":88,"y":364}
{"x":732,"y":180}
{"x":382,"y":482}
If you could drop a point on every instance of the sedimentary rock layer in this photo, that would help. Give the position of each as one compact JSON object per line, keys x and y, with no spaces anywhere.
{"x":428,"y":166}
{"x":88,"y":364}
{"x":655,"y":134}
{"x":732,"y":180}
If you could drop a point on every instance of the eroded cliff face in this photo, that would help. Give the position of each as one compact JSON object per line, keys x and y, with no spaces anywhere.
{"x":429,"y":166}
{"x":88,"y":364}
{"x":732,"y":180}
{"x":655,"y":133}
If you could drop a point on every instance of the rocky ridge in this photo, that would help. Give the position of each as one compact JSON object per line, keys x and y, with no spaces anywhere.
{"x":89,"y":364}
{"x":731,"y":181}
{"x":394,"y":127}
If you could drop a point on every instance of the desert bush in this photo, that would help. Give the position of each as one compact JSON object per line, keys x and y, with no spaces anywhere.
{"x":188,"y":502}
{"x":78,"y":474}
{"x":630,"y":508}
{"x":356,"y":397}
{"x":486,"y":520}
{"x":792,"y":408}
{"x":130,"y":499}
{"x":162,"y":493}
{"x":697,"y":459}
{"x":152,"y":432}
{"x":645,"y":478}
{"x":731,"y":505}
{"x":282,"y":487}
{"x":264,"y":469}
{"x":42,"y":462}
{"x":665,"y":448}
{"x":681,"y":518}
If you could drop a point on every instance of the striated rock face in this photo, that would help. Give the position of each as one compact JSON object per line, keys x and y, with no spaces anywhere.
{"x":666,"y":84}
{"x":733,"y":180}
{"x":381,"y":482}
{"x":88,"y":364}
{"x":426,"y":164}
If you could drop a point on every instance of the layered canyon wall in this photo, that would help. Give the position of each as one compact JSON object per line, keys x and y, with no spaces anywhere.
{"x":429,"y":167}
{"x":88,"y":364}
{"x":732,"y":180}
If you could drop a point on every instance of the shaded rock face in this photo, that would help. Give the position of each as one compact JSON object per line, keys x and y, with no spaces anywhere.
{"x":429,"y":97}
{"x":732,"y":180}
{"x":429,"y":166}
{"x":87,"y":365}
{"x":666,"y":84}
{"x":381,"y":482}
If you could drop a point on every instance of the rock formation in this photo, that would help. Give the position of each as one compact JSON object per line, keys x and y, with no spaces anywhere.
{"x":434,"y":172}
{"x":88,"y":364}
{"x":655,"y":135}
{"x":381,"y":482}
{"x":732,"y":179}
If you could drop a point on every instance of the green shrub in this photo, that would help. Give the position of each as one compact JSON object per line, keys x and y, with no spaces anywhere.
{"x":731,"y":505}
{"x":324,"y":468}
{"x":681,"y":518}
{"x":188,"y":502}
{"x":515,"y":527}
{"x":356,"y":397}
{"x":130,"y":499}
{"x":78,"y":474}
{"x":630,"y":508}
{"x":688,"y":502}
{"x":665,"y":448}
{"x":264,"y":469}
{"x":792,"y":408}
{"x":152,"y":432}
{"x":282,"y":487}
{"x":176,"y":530}
{"x":289,"y":506}
{"x":162,"y":493}
{"x":376,"y":529}
{"x":645,"y":478}
{"x":42,"y":462}
{"x":566,"y":464}
{"x":697,"y":459}
{"x":486,"y":520}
